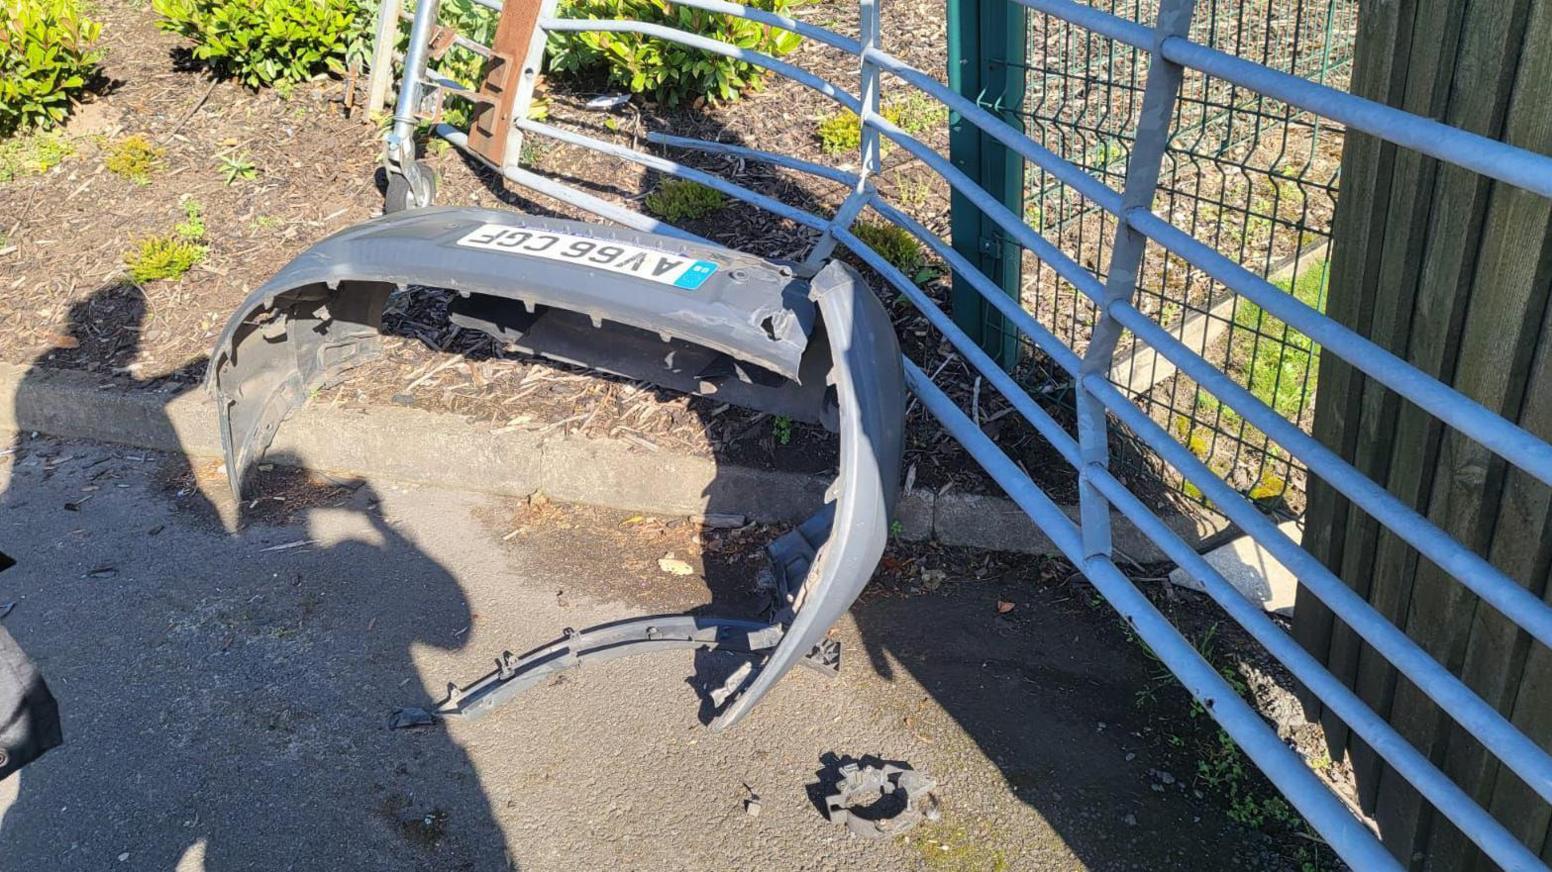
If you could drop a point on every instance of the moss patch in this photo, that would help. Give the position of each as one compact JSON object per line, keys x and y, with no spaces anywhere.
{"x":134,"y":158}
{"x":683,"y":200}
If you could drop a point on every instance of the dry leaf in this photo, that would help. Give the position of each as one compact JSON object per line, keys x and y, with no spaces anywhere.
{"x":1003,"y":607}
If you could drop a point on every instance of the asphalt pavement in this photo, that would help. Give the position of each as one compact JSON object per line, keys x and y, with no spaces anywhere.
{"x":226,"y":695}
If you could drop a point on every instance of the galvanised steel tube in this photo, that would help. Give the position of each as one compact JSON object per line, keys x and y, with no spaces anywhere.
{"x":458,"y":39}
{"x":742,"y":151}
{"x":567,"y":194}
{"x":1044,"y":339}
{"x":410,"y":91}
{"x":1126,"y":256}
{"x":1103,"y":23}
{"x":600,"y":207}
{"x":1347,"y":836}
{"x":1498,"y":160}
{"x":797,"y":74}
{"x":1103,"y":195}
{"x":1486,"y":580}
{"x":1481,"y":827}
{"x":1504,"y":438}
{"x":1514,"y":748}
{"x":1039,"y":418}
{"x":870,"y":150}
{"x":1042,"y":248}
{"x":1019,"y":398}
{"x":664,"y":165}
{"x":819,"y":34}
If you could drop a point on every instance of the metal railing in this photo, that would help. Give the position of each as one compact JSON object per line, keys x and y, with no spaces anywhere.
{"x":1102,"y":405}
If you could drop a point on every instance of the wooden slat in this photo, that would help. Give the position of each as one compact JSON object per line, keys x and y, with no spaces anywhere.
{"x":1358,"y":225}
{"x":1499,"y":662}
{"x":1454,"y":273}
{"x":1430,"y":64}
{"x":1501,"y":328}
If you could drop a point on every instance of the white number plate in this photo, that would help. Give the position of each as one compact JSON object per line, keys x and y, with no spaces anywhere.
{"x":620,"y":257}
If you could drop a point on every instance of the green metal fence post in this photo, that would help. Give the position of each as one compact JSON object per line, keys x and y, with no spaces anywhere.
{"x":983,"y":37}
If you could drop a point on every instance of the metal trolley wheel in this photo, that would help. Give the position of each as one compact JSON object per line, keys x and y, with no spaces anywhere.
{"x":402,"y":193}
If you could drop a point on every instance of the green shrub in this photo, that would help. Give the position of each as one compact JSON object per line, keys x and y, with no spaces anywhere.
{"x":267,"y":42}
{"x":668,"y":71}
{"x":47,"y":58}
{"x":134,"y":158}
{"x":163,"y":257}
{"x":192,"y":227}
{"x":37,"y":153}
{"x":683,"y":200}
{"x":893,"y":243}
{"x":170,"y":255}
{"x":842,"y":132}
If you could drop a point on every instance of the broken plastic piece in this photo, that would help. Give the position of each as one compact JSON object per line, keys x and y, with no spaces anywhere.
{"x":409,"y":717}
{"x":825,"y":658}
{"x":881,"y":801}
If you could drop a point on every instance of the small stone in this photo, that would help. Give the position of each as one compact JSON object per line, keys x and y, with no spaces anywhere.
{"x":1130,"y":756}
{"x":722,"y":520}
{"x":1130,"y":820}
{"x":124,"y":857}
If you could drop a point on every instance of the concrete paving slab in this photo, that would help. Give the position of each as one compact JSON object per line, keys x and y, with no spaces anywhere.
{"x":1253,"y":571}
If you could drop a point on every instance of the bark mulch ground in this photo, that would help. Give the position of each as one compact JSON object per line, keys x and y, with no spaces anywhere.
{"x":67,"y":301}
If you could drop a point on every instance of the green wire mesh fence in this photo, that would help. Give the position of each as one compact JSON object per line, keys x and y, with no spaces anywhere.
{"x":1249,"y":175}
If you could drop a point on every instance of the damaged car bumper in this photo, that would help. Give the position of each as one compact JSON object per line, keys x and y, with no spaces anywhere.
{"x":687,"y":316}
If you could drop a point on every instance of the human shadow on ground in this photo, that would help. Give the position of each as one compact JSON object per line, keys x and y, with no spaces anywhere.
{"x":224,"y":700}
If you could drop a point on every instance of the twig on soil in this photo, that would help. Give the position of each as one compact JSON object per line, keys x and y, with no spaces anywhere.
{"x":167,"y":137}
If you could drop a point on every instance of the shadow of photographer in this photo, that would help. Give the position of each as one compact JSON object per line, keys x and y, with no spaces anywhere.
{"x":227,"y":715}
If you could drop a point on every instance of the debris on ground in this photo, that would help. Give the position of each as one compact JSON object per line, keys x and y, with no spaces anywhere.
{"x":876,"y":801}
{"x":674,"y":566}
{"x":409,"y":718}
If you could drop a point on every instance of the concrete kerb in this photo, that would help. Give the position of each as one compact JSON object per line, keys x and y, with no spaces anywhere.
{"x":414,"y":446}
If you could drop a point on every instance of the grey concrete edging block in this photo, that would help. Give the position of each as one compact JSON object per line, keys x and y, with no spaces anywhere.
{"x":1252,"y":570}
{"x":993,"y":522}
{"x":413,"y":445}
